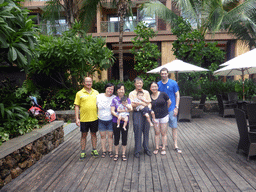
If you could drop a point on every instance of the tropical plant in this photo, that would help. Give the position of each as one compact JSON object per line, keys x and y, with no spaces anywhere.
{"x":59,"y":58}
{"x":53,"y":9}
{"x":14,"y":116}
{"x":206,"y":16}
{"x":246,"y":88}
{"x":191,"y":47}
{"x":145,"y":52}
{"x":88,"y":13}
{"x":58,"y":99}
{"x":17,"y":39}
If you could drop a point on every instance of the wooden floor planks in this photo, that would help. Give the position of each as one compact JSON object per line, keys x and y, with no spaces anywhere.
{"x":208,"y":162}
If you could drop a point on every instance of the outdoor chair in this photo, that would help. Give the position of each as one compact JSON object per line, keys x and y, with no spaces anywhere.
{"x":199,"y":111}
{"x":247,"y":141}
{"x":224,"y":109}
{"x":225,"y":98}
{"x":251,"y":113}
{"x":233,"y":99}
{"x":185,"y":108}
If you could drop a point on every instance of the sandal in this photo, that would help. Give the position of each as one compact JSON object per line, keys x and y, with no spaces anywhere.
{"x":163,"y":152}
{"x":124,"y":157}
{"x":161,"y":146}
{"x":155,"y":152}
{"x":103,"y":154}
{"x":116,"y":157}
{"x":178,"y":150}
{"x":110,"y":154}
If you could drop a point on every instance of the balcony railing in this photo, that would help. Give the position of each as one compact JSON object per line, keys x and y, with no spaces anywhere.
{"x":113,"y":26}
{"x":56,"y":29}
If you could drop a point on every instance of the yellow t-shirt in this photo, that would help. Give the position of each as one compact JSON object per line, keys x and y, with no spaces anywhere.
{"x":87,"y":104}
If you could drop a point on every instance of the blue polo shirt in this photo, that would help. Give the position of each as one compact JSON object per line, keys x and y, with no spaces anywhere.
{"x":171,"y":87}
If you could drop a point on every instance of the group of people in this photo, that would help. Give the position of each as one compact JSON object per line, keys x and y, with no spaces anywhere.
{"x":109,"y":114}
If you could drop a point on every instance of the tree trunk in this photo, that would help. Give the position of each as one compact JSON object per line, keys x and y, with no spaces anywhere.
{"x":121,"y":54}
{"x":68,"y":6}
{"x":122,"y":8}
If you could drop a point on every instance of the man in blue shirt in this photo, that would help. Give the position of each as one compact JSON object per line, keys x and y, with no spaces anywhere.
{"x":171,"y":88}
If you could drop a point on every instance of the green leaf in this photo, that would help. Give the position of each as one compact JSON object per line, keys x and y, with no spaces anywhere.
{"x":22,"y":58}
{"x":22,"y":46}
{"x":2,"y":109}
{"x":4,"y":44}
{"x":12,"y":54}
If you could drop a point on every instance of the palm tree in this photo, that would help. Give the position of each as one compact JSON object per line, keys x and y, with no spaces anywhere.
{"x":55,"y":7}
{"x":122,"y":7}
{"x":238,"y":18}
{"x":88,"y":13}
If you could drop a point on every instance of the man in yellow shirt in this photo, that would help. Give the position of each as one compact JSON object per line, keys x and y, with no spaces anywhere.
{"x":85,"y":102}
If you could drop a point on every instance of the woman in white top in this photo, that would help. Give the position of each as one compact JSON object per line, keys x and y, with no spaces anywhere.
{"x":104,"y":101}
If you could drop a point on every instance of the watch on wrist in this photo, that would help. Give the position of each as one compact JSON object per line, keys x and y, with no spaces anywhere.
{"x":177,"y":107}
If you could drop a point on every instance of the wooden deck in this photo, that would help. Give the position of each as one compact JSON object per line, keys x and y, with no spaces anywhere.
{"x":208,"y":163}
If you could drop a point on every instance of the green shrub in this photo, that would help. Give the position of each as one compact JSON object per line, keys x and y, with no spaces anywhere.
{"x":145,"y":52}
{"x":249,"y":88}
{"x":129,"y":85}
{"x":189,"y":85}
{"x":14,"y":117}
{"x":58,"y":99}
{"x":211,"y":88}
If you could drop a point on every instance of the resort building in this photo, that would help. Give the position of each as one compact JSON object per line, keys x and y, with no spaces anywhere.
{"x":107,"y":25}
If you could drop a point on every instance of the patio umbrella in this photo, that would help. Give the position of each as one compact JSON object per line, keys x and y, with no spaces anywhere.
{"x":178,"y":66}
{"x":246,"y":57}
{"x":239,"y":66}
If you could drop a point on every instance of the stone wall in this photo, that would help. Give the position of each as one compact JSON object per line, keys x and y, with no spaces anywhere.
{"x":68,"y":115}
{"x":18,"y":154}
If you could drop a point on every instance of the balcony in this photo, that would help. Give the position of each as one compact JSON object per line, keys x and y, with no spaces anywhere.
{"x":56,"y":29}
{"x":129,"y":26}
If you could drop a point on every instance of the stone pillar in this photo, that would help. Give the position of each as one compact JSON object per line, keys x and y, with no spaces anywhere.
{"x":169,"y":6}
{"x":167,"y":55}
{"x":104,"y":75}
{"x":99,"y":13}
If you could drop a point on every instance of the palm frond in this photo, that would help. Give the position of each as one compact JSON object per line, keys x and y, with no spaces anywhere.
{"x":245,"y":30}
{"x":52,"y":10}
{"x":241,"y":21}
{"x":213,"y":14}
{"x":191,"y":9}
{"x":88,"y":12}
{"x":160,"y":10}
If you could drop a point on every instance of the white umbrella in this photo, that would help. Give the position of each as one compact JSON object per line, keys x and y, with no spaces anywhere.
{"x":178,"y":66}
{"x":246,"y":57}
{"x":239,"y":66}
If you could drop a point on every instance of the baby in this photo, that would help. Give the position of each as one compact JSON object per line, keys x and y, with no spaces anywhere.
{"x":144,"y":109}
{"x":123,"y":113}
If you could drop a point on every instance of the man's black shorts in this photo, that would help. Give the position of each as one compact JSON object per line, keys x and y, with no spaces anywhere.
{"x":85,"y":126}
